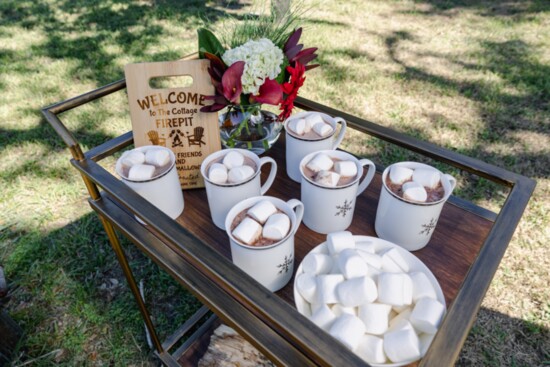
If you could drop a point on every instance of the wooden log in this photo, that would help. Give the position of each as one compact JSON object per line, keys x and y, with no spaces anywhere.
{"x":229,"y":349}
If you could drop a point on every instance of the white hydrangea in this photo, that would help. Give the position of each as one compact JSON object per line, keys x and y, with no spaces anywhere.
{"x":262,"y":60}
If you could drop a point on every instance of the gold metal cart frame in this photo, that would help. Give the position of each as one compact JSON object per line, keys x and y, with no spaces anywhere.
{"x":269,"y":322}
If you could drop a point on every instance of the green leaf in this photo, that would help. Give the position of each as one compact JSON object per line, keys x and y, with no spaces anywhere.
{"x":283,"y":75}
{"x":209,"y":43}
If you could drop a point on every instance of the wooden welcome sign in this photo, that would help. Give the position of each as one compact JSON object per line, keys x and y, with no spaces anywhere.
{"x":171,"y":117}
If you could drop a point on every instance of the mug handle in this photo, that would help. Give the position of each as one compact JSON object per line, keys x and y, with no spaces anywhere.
{"x":452,"y":181}
{"x":368,"y":178}
{"x":271,"y":176}
{"x":342,"y":132}
{"x":297,"y":206}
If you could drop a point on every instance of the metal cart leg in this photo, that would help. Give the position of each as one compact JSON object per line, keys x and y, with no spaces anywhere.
{"x":115,"y":243}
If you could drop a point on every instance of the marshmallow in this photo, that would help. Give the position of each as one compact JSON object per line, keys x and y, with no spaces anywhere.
{"x":337,"y":241}
{"x":239,"y":174}
{"x":322,"y":129}
{"x":371,"y":349}
{"x":141,"y":172}
{"x":373,"y":273}
{"x":346,"y":168}
{"x":233,"y":159}
{"x":321,"y":162}
{"x":351,"y":264}
{"x":414,"y":191}
{"x":133,"y":157}
{"x":298,"y":126}
{"x":425,"y":342}
{"x":391,"y":289}
{"x":316,"y":305}
{"x":277,"y":226}
{"x":427,"y":177}
{"x":326,"y":287}
{"x":315,"y":263}
{"x":368,"y":246}
{"x":327,"y":178}
{"x":400,"y":174}
{"x":261,"y":211}
{"x":339,"y":310}
{"x":375,"y":316}
{"x":307,"y":286}
{"x":427,"y":314}
{"x":401,"y":321}
{"x":323,"y":317}
{"x":389,"y":265}
{"x":399,"y":309}
{"x":398,"y":259}
{"x":157,"y":157}
{"x":248,"y":231}
{"x":422,"y":287}
{"x":308,"y":126}
{"x":313,"y":119}
{"x":217,"y":173}
{"x":407,"y":290}
{"x":402,"y":345}
{"x":349,"y":330}
{"x":372,"y":260}
{"x":357,"y":291}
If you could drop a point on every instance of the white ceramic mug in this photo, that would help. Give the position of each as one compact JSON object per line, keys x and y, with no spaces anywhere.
{"x":297,"y":148}
{"x":405,"y":223}
{"x":330,"y":209}
{"x":273,"y":265}
{"x":222,"y":197}
{"x":163,"y":191}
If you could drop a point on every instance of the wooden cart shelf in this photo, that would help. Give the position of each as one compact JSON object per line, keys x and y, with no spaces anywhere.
{"x":463,"y":254}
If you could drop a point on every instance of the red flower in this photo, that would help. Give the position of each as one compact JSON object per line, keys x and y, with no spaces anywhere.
{"x":270,"y":92}
{"x":228,"y":86}
{"x":290,"y":89}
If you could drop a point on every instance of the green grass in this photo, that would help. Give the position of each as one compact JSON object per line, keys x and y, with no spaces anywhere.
{"x":472,"y":76}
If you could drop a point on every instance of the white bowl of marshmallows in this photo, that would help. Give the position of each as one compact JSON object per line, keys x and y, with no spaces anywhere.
{"x":377,"y":299}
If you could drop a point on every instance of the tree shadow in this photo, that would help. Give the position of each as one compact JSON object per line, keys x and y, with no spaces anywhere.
{"x":519,"y":11}
{"x":83,"y":291}
{"x":502,"y":112}
{"x":498,"y":340}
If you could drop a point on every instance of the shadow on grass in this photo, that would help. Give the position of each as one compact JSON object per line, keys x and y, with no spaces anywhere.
{"x":503,"y":113}
{"x":505,"y":341}
{"x":81,"y":32}
{"x":522,"y":11}
{"x":71,"y":295}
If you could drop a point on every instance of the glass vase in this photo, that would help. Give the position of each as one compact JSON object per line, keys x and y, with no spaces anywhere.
{"x":249,"y":127}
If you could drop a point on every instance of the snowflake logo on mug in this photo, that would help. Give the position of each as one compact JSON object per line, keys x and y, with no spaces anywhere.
{"x":344,"y":208}
{"x":287,"y":263}
{"x":428,"y":227}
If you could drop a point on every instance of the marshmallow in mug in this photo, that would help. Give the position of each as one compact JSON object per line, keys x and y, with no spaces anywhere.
{"x":133,"y":157}
{"x":415,"y":181}
{"x":262,"y":220}
{"x":157,"y":157}
{"x":142,"y":165}
{"x":141,"y":172}
{"x":346,"y":168}
{"x":321,"y":162}
{"x":327,"y":178}
{"x":232,"y":169}
{"x":313,"y":122}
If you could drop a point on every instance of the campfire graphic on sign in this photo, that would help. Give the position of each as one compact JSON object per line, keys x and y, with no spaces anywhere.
{"x":177,"y":141}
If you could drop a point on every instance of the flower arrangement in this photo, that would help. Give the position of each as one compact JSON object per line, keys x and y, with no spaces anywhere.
{"x":261,"y":63}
